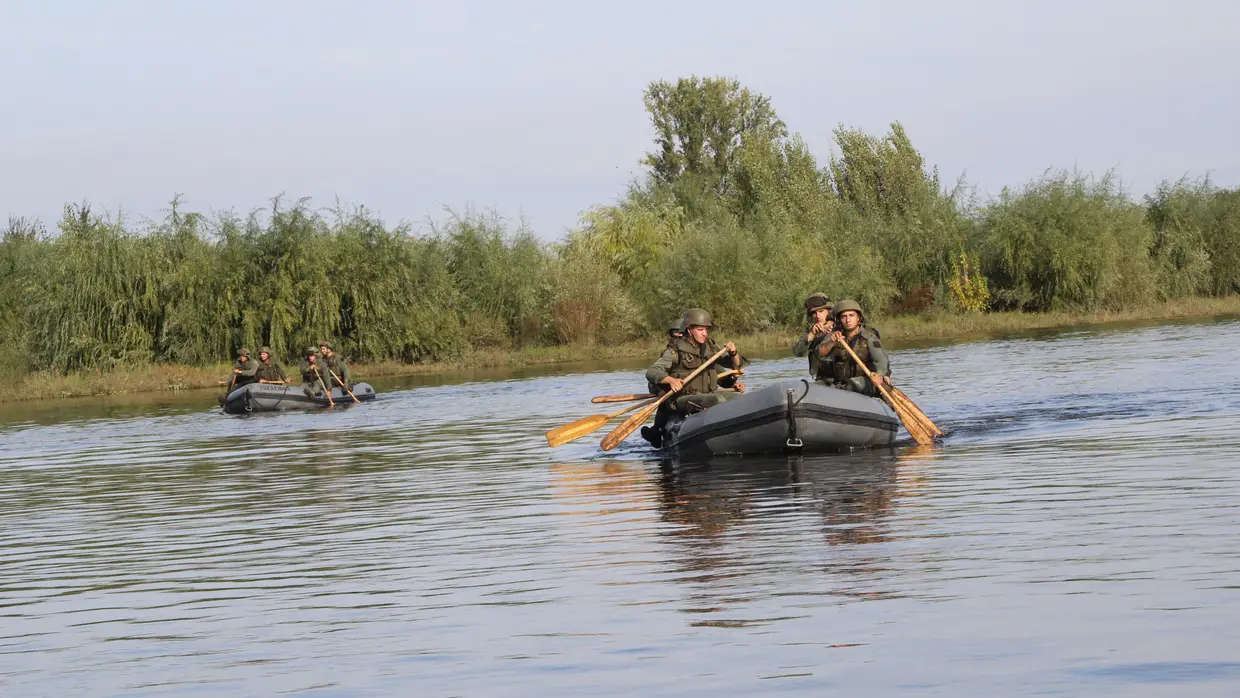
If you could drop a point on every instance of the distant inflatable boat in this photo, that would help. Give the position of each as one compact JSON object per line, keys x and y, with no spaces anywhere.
{"x":797,"y":416}
{"x":273,"y":397}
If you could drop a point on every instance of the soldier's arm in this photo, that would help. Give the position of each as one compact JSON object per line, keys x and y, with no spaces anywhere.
{"x":878,"y":357}
{"x":658,"y":371}
{"x":801,"y":346}
{"x":249,"y":372}
{"x":345,"y":374}
{"x":280,"y":372}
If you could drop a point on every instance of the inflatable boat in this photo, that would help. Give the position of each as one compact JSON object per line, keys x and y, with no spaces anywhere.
{"x":273,"y":397}
{"x":795,"y":415}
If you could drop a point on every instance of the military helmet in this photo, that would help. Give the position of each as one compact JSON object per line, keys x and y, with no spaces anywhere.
{"x":265,"y":350}
{"x":696,"y":316}
{"x":817,"y":301}
{"x":849,"y":305}
{"x":677,"y":325}
{"x":327,"y":344}
{"x":312,"y":351}
{"x":243,"y":352}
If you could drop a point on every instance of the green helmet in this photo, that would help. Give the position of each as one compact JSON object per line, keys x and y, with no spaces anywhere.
{"x":696,"y":316}
{"x":265,"y":350}
{"x":243,"y":352}
{"x":327,"y":344}
{"x":817,"y":301}
{"x":677,"y":325}
{"x":312,"y":351}
{"x":849,"y":305}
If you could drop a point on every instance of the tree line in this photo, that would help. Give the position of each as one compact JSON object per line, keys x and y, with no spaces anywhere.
{"x":733,"y":213}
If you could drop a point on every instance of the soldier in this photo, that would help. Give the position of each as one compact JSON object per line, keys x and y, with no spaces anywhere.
{"x":243,"y":372}
{"x":818,"y":309}
{"x":680,"y":359}
{"x":313,"y":377}
{"x":839,"y":370}
{"x":329,"y":361}
{"x":269,"y":371}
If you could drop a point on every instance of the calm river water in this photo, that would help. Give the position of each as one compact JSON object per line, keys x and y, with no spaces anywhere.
{"x":1077,"y":534}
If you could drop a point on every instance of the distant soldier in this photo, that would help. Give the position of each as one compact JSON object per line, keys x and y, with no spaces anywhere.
{"x":818,"y":309}
{"x":332,"y":363}
{"x":313,"y":377}
{"x":244,"y":370}
{"x":839,"y":370}
{"x":269,"y":370}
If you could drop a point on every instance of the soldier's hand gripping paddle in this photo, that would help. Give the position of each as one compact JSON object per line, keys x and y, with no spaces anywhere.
{"x":646,"y":396}
{"x":911,"y":417}
{"x":630,"y":425}
{"x":586,"y":425}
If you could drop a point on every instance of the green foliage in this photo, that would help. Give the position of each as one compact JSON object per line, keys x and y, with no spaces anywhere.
{"x":734,"y":214}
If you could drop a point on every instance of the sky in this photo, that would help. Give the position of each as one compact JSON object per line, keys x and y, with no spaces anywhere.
{"x":534,"y":109}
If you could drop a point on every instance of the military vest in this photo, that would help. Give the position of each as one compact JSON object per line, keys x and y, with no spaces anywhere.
{"x":841,"y":365}
{"x":269,"y":371}
{"x":688,"y":357}
{"x":308,"y":374}
{"x":245,"y":366}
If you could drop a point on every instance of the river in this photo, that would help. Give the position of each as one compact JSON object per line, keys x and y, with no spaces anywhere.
{"x":1078,"y":533}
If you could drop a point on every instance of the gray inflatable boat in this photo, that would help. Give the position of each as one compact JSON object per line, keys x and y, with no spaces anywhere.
{"x":790,"y":416}
{"x":273,"y":397}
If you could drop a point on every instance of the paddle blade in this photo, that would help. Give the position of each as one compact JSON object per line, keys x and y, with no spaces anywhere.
{"x":575,"y":430}
{"x":915,"y":429}
{"x":913,"y":408}
{"x":628,"y":426}
{"x":621,"y":398}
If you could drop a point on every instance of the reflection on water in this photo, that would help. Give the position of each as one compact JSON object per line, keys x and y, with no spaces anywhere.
{"x":1076,"y":535}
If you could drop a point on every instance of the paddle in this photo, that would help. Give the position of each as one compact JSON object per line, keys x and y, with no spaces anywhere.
{"x":326,"y":390}
{"x":908,"y":413}
{"x":622,"y":398}
{"x":647,"y":396}
{"x":630,"y":425}
{"x":931,"y":426}
{"x":586,"y":425}
{"x":350,"y":392}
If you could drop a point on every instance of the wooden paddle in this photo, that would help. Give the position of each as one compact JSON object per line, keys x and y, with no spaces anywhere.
{"x":326,"y":390}
{"x":350,"y":392}
{"x":646,"y":396}
{"x":907,"y":412}
{"x":622,"y":398}
{"x":586,"y":425}
{"x":630,"y":425}
{"x":899,"y":395}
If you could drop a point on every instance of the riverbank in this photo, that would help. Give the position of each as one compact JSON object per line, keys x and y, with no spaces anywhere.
{"x":896,"y":330}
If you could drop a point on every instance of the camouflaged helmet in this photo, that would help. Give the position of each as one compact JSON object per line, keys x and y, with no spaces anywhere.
{"x":696,"y":316}
{"x":677,"y":325}
{"x":243,"y":352}
{"x":327,"y":344}
{"x":265,"y":350}
{"x":849,"y":305}
{"x":312,"y":351}
{"x":817,"y":301}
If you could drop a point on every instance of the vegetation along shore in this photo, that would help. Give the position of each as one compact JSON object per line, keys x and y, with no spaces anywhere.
{"x":733,"y":213}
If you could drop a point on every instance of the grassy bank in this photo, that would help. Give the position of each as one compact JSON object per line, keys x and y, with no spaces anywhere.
{"x":896,"y":330}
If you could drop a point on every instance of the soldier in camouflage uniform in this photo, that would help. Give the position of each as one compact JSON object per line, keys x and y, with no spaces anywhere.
{"x":313,"y":377}
{"x":818,"y":312}
{"x":684,"y":356}
{"x":838,"y":369}
{"x":269,"y":370}
{"x":330,"y":361}
{"x":244,"y":370}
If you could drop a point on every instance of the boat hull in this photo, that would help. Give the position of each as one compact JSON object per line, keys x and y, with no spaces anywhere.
{"x":273,"y":397}
{"x":794,"y":415}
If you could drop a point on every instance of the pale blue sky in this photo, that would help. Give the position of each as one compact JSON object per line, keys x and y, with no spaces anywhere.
{"x":535,"y":107}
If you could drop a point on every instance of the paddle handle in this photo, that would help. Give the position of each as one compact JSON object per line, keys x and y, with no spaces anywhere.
{"x":630,"y":425}
{"x":350,"y":392}
{"x":326,"y":390}
{"x":915,"y":429}
{"x":868,"y":373}
{"x":622,"y":398}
